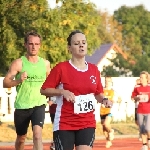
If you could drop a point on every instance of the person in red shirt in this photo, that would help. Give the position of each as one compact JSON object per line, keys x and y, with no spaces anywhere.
{"x":141,"y":94}
{"x":76,"y":84}
{"x":138,"y":82}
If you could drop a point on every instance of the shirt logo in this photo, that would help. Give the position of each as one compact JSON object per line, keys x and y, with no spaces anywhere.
{"x":93,"y":78}
{"x":35,"y":78}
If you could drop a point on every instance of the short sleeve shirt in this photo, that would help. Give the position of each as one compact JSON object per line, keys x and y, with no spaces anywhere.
{"x":143,"y":107}
{"x":81,"y":82}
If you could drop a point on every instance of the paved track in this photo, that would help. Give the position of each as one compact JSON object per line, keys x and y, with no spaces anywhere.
{"x":118,"y":144}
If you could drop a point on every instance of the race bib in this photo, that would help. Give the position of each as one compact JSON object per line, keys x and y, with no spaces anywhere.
{"x":84,"y":103}
{"x":143,"y":98}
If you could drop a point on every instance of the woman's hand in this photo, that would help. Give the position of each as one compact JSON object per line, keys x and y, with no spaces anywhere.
{"x":136,"y":98}
{"x":69,"y":96}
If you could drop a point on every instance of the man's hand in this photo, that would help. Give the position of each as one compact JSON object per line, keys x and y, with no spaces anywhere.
{"x":23,"y":76}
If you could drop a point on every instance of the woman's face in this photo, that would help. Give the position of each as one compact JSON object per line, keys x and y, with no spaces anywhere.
{"x":143,"y":78}
{"x":108,"y":83}
{"x":78,"y":46}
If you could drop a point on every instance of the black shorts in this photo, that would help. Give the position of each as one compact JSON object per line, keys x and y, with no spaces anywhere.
{"x":22,"y":118}
{"x":135,"y":114}
{"x":66,"y":139}
{"x":103,"y":117}
{"x":52,"y":116}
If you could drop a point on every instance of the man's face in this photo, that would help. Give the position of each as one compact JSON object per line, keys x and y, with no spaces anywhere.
{"x":78,"y":46}
{"x":33,"y":45}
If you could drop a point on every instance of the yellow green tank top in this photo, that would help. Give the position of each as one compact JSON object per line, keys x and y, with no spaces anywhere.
{"x":28,"y":92}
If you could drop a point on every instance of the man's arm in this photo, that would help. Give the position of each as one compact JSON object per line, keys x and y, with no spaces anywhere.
{"x":14,"y":68}
{"x":48,"y":69}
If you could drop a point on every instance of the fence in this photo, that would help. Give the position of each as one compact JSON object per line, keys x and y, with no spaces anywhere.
{"x":122,"y":85}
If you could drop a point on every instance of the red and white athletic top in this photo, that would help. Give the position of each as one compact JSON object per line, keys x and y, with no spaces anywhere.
{"x":81,"y":82}
{"x":143,"y":107}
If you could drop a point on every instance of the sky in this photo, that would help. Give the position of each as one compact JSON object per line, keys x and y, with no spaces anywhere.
{"x":112,"y":5}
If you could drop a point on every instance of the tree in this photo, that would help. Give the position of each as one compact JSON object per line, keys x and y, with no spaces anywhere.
{"x":135,"y":22}
{"x":127,"y":67}
{"x":72,"y":15}
{"x":110,"y":31}
{"x":141,"y":64}
{"x":135,"y":40}
{"x":120,"y":66}
{"x":17,"y":17}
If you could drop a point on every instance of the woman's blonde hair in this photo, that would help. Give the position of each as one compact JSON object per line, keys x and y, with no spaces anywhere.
{"x":146,"y":73}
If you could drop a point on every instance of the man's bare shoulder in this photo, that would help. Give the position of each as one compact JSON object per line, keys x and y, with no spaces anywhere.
{"x":17,"y":63}
{"x":46,"y":62}
{"x":48,"y":69}
{"x":14,"y":68}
